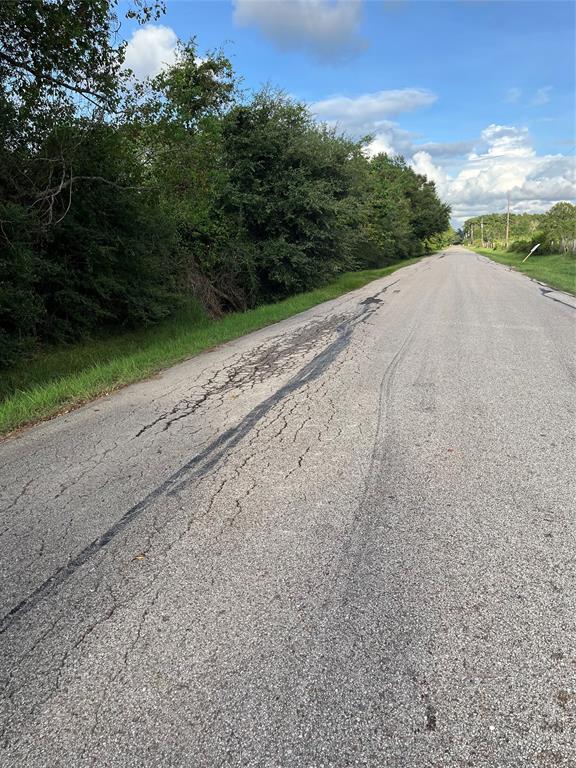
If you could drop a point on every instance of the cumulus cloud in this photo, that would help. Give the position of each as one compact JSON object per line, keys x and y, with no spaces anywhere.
{"x":505,"y":140}
{"x":391,"y":140}
{"x":504,"y":162}
{"x":370,"y":112}
{"x":150,"y":50}
{"x":327,"y":29}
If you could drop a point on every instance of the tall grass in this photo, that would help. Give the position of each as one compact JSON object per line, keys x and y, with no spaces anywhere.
{"x":64,"y":377}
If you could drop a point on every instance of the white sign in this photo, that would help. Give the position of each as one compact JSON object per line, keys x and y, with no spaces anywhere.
{"x":531,"y":252}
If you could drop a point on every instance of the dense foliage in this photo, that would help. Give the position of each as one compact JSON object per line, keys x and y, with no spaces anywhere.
{"x":555,"y":230}
{"x":119,"y":200}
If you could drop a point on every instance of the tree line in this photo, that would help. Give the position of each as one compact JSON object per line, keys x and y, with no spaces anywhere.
{"x":122,"y":199}
{"x":554,"y":230}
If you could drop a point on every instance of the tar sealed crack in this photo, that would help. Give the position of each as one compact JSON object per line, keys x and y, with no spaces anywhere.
{"x":203,"y":462}
{"x":430,"y":717}
{"x":277,"y":355}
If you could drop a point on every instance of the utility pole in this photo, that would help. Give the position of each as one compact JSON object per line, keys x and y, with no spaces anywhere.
{"x":508,"y":222}
{"x":482,"y":231}
{"x":472,"y":233}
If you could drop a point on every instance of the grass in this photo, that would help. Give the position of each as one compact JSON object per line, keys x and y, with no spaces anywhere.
{"x":558,"y":270}
{"x":61,"y":378}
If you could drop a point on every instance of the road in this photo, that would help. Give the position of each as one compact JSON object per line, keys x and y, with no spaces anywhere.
{"x":348,"y":539}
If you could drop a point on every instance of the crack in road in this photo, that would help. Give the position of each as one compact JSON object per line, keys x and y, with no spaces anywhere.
{"x":199,"y":464}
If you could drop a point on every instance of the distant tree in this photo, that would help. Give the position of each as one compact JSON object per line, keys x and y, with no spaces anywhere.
{"x":523,"y":226}
{"x":559,"y":227}
{"x":403,"y":209}
{"x":288,"y":195}
{"x":554,"y":231}
{"x":441,"y":240}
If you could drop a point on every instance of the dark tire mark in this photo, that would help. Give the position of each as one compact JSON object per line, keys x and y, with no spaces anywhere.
{"x":196,"y":467}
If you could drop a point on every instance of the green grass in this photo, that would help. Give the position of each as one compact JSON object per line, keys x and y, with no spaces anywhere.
{"x":64,"y":377}
{"x":557,"y":269}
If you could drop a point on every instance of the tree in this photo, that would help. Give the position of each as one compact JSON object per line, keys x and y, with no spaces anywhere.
{"x":387,"y":219}
{"x":175,"y":126}
{"x":403,"y":209}
{"x":60,"y":74}
{"x":58,"y":60}
{"x":554,"y":230}
{"x":55,"y":49}
{"x":290,"y":185}
{"x":559,"y":227}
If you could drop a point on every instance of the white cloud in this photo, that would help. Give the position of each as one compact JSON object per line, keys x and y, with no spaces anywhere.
{"x":327,"y":29}
{"x":369,"y":112}
{"x":445,"y":149}
{"x":150,"y":50}
{"x":542,"y":96}
{"x":500,"y":140}
{"x":390,"y":140}
{"x":513,"y":95}
{"x":539,"y":98}
{"x":504,"y":162}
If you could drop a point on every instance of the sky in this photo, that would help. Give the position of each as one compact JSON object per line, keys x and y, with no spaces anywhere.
{"x":477,"y":95}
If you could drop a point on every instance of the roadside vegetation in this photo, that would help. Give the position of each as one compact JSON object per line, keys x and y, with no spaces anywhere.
{"x":557,"y":270}
{"x":64,"y":377}
{"x":554,"y":231}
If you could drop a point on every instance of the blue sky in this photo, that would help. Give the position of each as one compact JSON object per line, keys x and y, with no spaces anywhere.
{"x":478,"y":95}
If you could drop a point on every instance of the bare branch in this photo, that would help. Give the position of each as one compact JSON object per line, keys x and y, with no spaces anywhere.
{"x":69,"y":204}
{"x":54,"y":191}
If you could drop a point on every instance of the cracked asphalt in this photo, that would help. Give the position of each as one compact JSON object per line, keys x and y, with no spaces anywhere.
{"x":348,"y":539}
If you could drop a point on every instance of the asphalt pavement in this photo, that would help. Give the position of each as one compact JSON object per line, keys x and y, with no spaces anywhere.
{"x":348,"y":539}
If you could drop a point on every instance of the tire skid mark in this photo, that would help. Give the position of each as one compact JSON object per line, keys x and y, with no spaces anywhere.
{"x":252,"y":367}
{"x":358,"y":540}
{"x":335,"y":607}
{"x":199,"y":464}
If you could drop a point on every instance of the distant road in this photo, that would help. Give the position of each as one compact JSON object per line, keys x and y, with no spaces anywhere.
{"x":346,"y":540}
